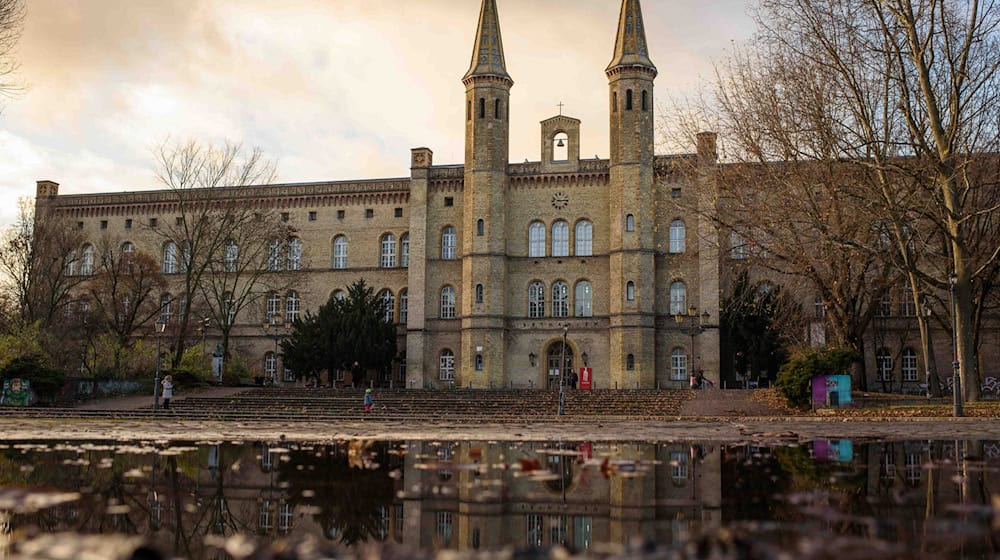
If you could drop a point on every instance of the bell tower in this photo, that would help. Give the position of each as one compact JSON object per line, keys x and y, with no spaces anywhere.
{"x":631,"y":244}
{"x":484,"y":261}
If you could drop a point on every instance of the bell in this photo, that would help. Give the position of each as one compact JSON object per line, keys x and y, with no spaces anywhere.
{"x":561,"y":143}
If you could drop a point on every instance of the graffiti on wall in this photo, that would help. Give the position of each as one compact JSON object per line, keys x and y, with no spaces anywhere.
{"x":16,"y":392}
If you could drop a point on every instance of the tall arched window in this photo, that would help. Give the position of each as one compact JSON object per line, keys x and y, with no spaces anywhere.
{"x":480,"y":227}
{"x":230,"y":256}
{"x":536,"y":300}
{"x":560,"y":147}
{"x":388,"y":306}
{"x":166,"y":308}
{"x":72,"y":262}
{"x":536,"y":239}
{"x":629,"y":222}
{"x":630,"y":291}
{"x":678,"y":298}
{"x":645,"y":100}
{"x":630,"y":362}
{"x":678,"y":364}
{"x":447,"y":302}
{"x":294,"y":254}
{"x":404,"y":250}
{"x":291,"y":307}
{"x":128,"y":251}
{"x":560,"y":239}
{"x":909,"y":365}
{"x":404,"y":306}
{"x":449,"y":242}
{"x":340,"y":252}
{"x":169,"y":258}
{"x":446,"y":366}
{"x":584,"y":238}
{"x":560,"y":299}
{"x":482,"y":107}
{"x":270,"y":365}
{"x":496,"y":109}
{"x":628,"y":100}
{"x":388,"y":258}
{"x":87,"y":260}
{"x":480,"y":293}
{"x":584,"y":299}
{"x":678,"y":235}
{"x":274,"y":255}
{"x":883,"y":364}
{"x":273,"y":307}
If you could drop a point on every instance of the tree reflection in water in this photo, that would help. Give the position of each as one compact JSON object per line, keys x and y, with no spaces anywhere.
{"x":347,"y":487}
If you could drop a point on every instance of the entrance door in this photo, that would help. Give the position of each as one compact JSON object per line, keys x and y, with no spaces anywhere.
{"x":554,"y":355}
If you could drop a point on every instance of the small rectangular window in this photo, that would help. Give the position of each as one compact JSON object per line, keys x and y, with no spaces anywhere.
{"x":79,"y":225}
{"x":398,"y":212}
{"x":675,"y":192}
{"x":104,"y":224}
{"x":179,"y":220}
{"x":449,"y":201}
{"x":340,"y":214}
{"x":312,"y":216}
{"x":152,"y":222}
{"x":284,"y":216}
{"x":128,"y":223}
{"x":369,"y":213}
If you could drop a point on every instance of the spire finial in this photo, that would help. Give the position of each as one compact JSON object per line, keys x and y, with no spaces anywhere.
{"x":630,"y":45}
{"x":487,"y":53}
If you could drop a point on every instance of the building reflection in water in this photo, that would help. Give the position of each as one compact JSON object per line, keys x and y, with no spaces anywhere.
{"x":490,"y":495}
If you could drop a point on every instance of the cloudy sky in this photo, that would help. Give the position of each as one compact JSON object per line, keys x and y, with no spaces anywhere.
{"x":331,"y":89}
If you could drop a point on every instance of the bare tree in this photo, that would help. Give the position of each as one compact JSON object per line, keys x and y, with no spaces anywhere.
{"x":205,"y":182}
{"x":11,"y":25}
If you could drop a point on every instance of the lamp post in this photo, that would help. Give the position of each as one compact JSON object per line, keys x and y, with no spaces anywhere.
{"x":202,"y":330}
{"x":271,"y":326}
{"x":956,"y":364}
{"x":160,"y":326}
{"x":562,"y":377}
{"x":695,"y":325}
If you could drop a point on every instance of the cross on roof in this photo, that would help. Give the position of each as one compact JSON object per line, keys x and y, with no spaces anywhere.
{"x":560,"y":108}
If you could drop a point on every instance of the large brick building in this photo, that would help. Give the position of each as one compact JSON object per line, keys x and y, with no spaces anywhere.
{"x":489,"y":265}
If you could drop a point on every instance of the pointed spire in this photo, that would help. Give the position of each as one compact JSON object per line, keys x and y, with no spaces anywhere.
{"x":487,"y":54}
{"x":630,"y":45}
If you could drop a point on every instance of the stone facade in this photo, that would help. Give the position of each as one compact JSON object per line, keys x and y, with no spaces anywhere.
{"x":531,"y":253}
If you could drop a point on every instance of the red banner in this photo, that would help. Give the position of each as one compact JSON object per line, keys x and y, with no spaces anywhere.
{"x":586,"y":378}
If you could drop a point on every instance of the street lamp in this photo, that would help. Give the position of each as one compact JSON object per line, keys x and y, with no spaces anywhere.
{"x":202,"y":330}
{"x":271,"y":326}
{"x":956,"y":364}
{"x":695,"y":325}
{"x":160,"y":326}
{"x":562,"y":378}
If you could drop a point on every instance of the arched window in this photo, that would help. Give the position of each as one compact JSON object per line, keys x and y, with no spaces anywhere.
{"x":229,"y":307}
{"x":614,"y":102}
{"x":404,"y":250}
{"x":645,"y":100}
{"x":480,"y":293}
{"x":273,"y":308}
{"x":169,"y":258}
{"x":909,"y":365}
{"x":447,"y":302}
{"x":560,"y":239}
{"x":738,"y":248}
{"x":291,"y":307}
{"x":479,"y":362}
{"x":388,"y":259}
{"x":482,"y":107}
{"x":560,"y":299}
{"x":270,"y":365}
{"x":446,"y":366}
{"x":678,"y":298}
{"x":536,"y":300}
{"x":629,"y":222}
{"x":128,"y":251}
{"x":584,"y":299}
{"x":166,"y":308}
{"x":630,"y":291}
{"x":449,"y":241}
{"x":404,"y":305}
{"x":480,"y":227}
{"x":340,"y":252}
{"x":560,"y":147}
{"x":294,"y":254}
{"x":274,"y":255}
{"x":628,"y":100}
{"x":678,"y":235}
{"x":230,"y":256}
{"x":584,"y":238}
{"x":388,"y":305}
{"x":496,"y":109}
{"x":87,"y":260}
{"x":678,"y":364}
{"x":536,"y":239}
{"x":630,"y":362}
{"x":71,"y":263}
{"x":883,"y":364}
{"x":468,"y":110}
{"x":339,"y":295}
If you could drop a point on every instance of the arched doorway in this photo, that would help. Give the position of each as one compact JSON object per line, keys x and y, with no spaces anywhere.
{"x":553,"y":356}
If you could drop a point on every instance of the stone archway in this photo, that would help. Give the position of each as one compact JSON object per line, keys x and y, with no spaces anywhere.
{"x":553,"y":355}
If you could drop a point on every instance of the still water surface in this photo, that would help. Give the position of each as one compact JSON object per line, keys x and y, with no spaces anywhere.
{"x":822,"y":499}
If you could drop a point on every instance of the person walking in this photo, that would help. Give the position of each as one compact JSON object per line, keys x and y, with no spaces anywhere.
{"x":369,"y":400}
{"x":168,"y":391}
